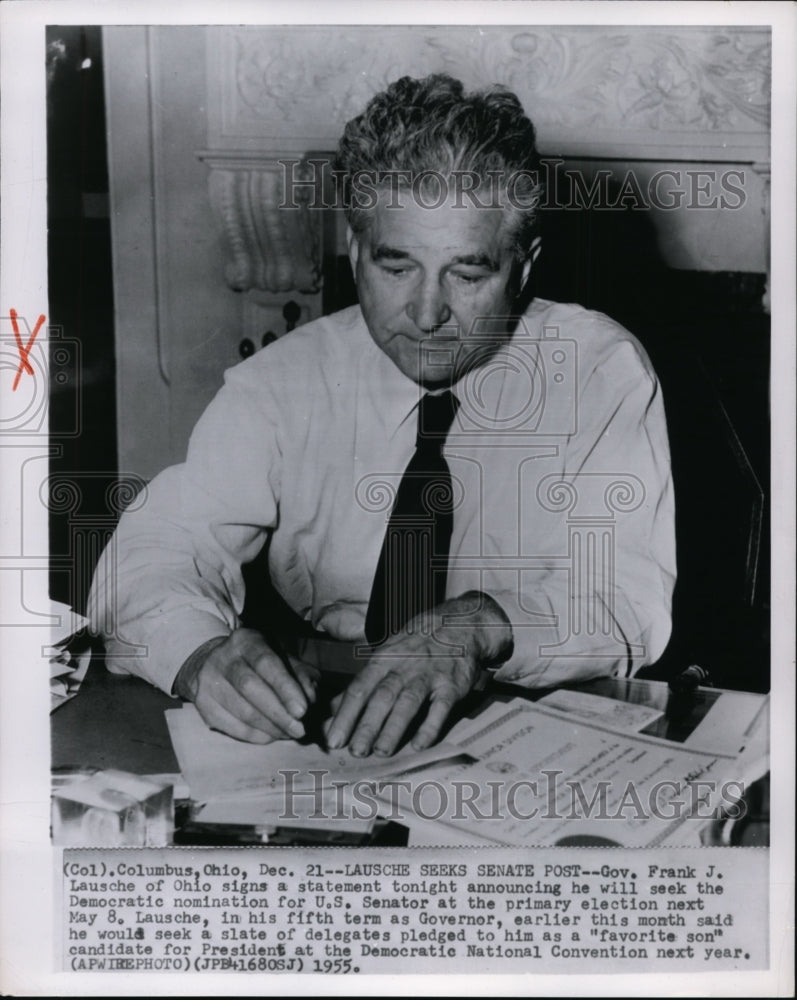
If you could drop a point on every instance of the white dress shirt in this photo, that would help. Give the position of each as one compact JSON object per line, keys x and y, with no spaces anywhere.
{"x":562,"y":492}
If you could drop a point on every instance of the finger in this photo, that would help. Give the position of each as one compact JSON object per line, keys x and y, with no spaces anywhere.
{"x":407,"y":706}
{"x":253,"y":716}
{"x":308,"y":677}
{"x":439,"y":710}
{"x":277,"y":676}
{"x":379,"y":706}
{"x":334,"y":704}
{"x":217,"y":717}
{"x":350,"y":707}
{"x":219,"y":691}
{"x":254,"y":690}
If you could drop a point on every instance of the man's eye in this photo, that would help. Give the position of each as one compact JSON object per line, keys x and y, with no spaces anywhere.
{"x":396,"y":272}
{"x":468,"y":279}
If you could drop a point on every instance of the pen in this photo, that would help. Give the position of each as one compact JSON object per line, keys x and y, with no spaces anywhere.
{"x":316,"y":714}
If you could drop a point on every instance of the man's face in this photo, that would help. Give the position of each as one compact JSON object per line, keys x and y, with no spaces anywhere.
{"x":427,"y":279}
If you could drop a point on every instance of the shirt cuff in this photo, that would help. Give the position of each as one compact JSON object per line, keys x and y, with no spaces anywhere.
{"x":159,"y":657}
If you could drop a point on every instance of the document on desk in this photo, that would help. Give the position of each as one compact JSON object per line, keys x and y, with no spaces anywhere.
{"x":216,"y":766}
{"x":626,"y":715}
{"x":543,"y":777}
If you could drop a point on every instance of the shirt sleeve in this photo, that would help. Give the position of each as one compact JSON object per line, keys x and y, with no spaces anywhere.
{"x":170,"y":579}
{"x":597,"y":599}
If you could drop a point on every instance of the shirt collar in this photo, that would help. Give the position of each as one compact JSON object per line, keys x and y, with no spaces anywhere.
{"x":394,"y":394}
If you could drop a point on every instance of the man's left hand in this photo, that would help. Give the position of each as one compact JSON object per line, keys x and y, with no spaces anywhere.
{"x":430,"y":661}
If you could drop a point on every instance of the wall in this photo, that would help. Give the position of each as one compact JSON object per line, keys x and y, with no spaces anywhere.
{"x":199,"y":118}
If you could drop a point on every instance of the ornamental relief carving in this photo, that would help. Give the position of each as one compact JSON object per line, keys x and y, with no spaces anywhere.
{"x":307,"y":81}
{"x":269,"y":249}
{"x":299,"y":82}
{"x":646,"y":93}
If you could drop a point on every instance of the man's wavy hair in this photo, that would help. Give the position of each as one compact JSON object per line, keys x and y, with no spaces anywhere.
{"x":432,"y":125}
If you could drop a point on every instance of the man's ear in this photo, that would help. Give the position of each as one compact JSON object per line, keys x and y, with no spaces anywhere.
{"x":353,"y":243}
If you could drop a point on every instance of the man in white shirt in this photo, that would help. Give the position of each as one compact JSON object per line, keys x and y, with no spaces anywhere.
{"x":558,"y":554}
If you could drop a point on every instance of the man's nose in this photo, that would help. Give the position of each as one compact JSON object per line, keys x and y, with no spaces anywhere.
{"x":428,"y":307}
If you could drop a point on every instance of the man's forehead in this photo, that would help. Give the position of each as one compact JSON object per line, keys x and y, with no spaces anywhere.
{"x":399,"y":229}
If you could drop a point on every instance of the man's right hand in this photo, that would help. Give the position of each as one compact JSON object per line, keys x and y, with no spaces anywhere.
{"x":242,"y":688}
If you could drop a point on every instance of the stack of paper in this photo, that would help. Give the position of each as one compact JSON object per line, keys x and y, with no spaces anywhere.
{"x":284,"y":783}
{"x":564,"y":771}
{"x":68,"y":665}
{"x":548,"y":776}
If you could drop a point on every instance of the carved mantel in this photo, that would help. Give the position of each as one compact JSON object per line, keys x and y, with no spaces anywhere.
{"x":698,"y":94}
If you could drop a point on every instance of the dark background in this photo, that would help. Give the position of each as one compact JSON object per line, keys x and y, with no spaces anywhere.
{"x":80,"y":283}
{"x":706,"y":332}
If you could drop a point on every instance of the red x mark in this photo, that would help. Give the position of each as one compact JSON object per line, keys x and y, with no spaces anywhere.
{"x":24,"y":349}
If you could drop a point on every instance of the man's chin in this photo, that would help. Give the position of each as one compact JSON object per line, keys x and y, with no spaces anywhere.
{"x":454,"y":362}
{"x":440,"y":362}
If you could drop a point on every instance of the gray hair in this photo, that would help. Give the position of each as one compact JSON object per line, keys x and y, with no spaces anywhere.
{"x":425,"y":130}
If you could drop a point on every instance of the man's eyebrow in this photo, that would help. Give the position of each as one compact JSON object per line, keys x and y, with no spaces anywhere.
{"x":382,"y":252}
{"x":478,"y":260}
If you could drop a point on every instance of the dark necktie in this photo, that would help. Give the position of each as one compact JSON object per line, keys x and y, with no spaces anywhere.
{"x":413,"y":564}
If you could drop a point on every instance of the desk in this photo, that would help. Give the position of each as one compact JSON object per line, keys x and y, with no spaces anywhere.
{"x":117,"y":721}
